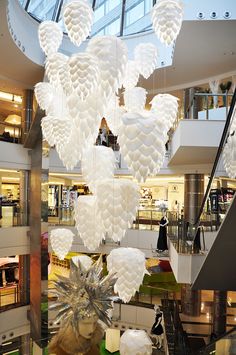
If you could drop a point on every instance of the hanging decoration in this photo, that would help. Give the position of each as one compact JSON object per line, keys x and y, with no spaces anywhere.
{"x":111,"y":54}
{"x":44,"y":93}
{"x":214,"y":86}
{"x":113,"y":114}
{"x":146,"y":56}
{"x":78,"y":20}
{"x":53,"y":64}
{"x":165,"y":107}
{"x":129,"y":266}
{"x":117,"y":202}
{"x":135,"y":99}
{"x":50,"y":36}
{"x":131,"y":75}
{"x":82,"y":260}
{"x":61,"y":241}
{"x":142,"y":144}
{"x":98,"y":163}
{"x":167,"y":17}
{"x":135,"y":342}
{"x":88,"y":222}
{"x":84,"y":74}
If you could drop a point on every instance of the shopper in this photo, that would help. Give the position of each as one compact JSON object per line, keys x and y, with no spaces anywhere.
{"x":162,"y":238}
{"x":157,"y":329}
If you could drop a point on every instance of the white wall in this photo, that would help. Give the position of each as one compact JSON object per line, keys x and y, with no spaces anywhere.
{"x":14,"y":156}
{"x":14,"y":241}
{"x":14,"y":323}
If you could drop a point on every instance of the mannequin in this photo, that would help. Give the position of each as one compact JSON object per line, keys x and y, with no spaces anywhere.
{"x":83,"y":302}
{"x":85,"y":341}
{"x":162,"y":238}
{"x":157,"y":329}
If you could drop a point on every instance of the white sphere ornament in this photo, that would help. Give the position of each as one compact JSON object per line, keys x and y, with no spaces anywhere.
{"x":167,"y":17}
{"x":165,"y":107}
{"x":78,"y":20}
{"x":111,"y":54}
{"x":44,"y":93}
{"x":113,"y":114}
{"x":135,"y":342}
{"x":142,"y":144}
{"x":53,"y":65}
{"x":131,"y":75}
{"x":88,"y":222}
{"x":146,"y":56}
{"x":129,"y":266}
{"x":84,"y":74}
{"x":50,"y":36}
{"x":117,"y":202}
{"x":98,"y":163}
{"x":61,"y":241}
{"x":135,"y":99}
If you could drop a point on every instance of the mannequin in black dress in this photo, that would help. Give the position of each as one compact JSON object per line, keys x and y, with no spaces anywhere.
{"x":162,"y":238}
{"x":157,"y":329}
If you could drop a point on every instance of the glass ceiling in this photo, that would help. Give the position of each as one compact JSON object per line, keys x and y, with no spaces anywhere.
{"x":114,"y":17}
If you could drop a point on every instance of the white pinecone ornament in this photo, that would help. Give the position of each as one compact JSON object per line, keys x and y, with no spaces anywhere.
{"x":229,"y":156}
{"x":165,"y":107}
{"x":113,"y":114}
{"x":88,"y":222}
{"x":78,"y":20}
{"x":87,"y":116}
{"x":167,"y":17}
{"x":111,"y":54}
{"x":84,"y":74}
{"x":117,"y":201}
{"x":142,"y":144}
{"x":70,"y":153}
{"x":53,"y":65}
{"x":61,"y":241}
{"x":129,"y":266}
{"x":146,"y":57}
{"x":98,"y":163}
{"x":44,"y":93}
{"x":131,"y":75}
{"x":50,"y":36}
{"x":135,"y":99}
{"x":65,"y":80}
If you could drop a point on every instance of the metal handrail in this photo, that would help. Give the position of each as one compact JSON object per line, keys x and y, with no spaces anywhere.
{"x":218,"y":155}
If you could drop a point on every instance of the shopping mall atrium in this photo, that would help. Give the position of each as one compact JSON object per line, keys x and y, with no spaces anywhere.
{"x":117,"y":177}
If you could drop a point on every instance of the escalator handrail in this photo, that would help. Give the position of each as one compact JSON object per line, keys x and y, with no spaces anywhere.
{"x":218,"y":155}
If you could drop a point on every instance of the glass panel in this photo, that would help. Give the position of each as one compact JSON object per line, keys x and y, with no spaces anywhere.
{"x":134,"y":14}
{"x":113,"y":28}
{"x":42,"y":9}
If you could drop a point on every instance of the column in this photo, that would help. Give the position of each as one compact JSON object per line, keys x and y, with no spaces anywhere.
{"x":25,"y":345}
{"x":24,"y":279}
{"x":190,"y":301}
{"x":38,"y":244}
{"x":219,"y":313}
{"x":193,"y":196}
{"x":27,"y":112}
{"x":24,"y":198}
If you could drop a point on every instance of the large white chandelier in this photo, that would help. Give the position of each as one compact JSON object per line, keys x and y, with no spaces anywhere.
{"x":117,"y":202}
{"x":61,"y":241}
{"x":135,"y":99}
{"x":50,"y":37}
{"x":88,"y":222}
{"x":129,"y":266}
{"x":146,"y":56}
{"x":165,"y":108}
{"x":78,"y":19}
{"x":98,"y":163}
{"x":167,"y":16}
{"x":142,"y":144}
{"x":113,"y":113}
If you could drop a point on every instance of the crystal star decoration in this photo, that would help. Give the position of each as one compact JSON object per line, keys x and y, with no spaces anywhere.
{"x":84,"y":294}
